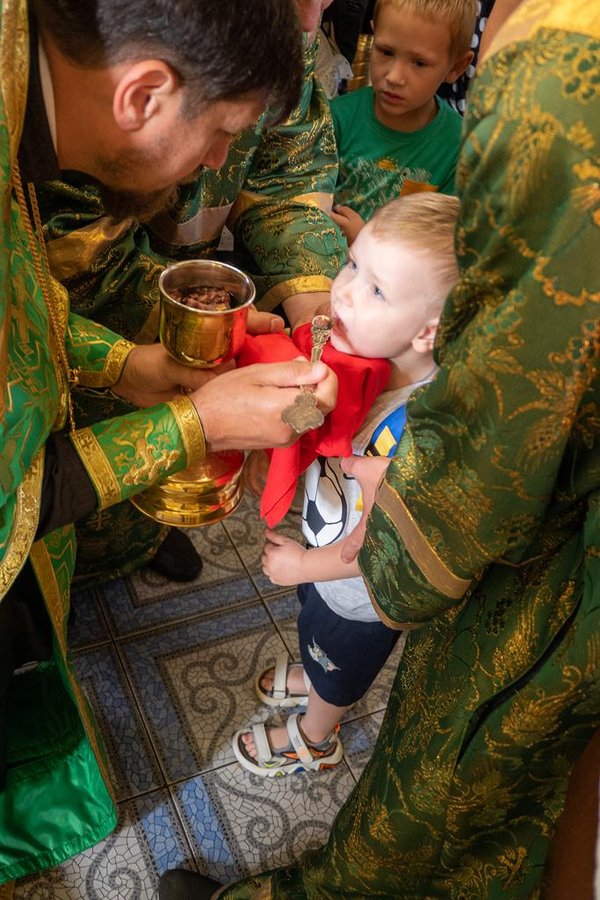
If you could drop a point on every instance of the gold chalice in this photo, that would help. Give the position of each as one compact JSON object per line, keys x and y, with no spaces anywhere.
{"x":208,"y":491}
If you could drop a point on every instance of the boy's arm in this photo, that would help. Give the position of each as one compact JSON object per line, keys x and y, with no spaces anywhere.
{"x":286,"y":562}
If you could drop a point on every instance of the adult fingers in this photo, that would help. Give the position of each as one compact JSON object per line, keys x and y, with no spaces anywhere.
{"x":263,"y":322}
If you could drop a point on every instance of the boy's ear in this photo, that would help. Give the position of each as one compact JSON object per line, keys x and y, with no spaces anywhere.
{"x":459,"y":67}
{"x":425,"y":339}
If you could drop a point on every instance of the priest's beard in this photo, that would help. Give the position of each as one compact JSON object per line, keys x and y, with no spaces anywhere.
{"x":124,"y":169}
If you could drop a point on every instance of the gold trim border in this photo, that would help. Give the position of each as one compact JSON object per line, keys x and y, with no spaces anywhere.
{"x":44,"y":571}
{"x":97,"y":466}
{"x":190,"y":427}
{"x":113,"y":366}
{"x":421,"y":552}
{"x":25,"y":521}
{"x":303,"y":284}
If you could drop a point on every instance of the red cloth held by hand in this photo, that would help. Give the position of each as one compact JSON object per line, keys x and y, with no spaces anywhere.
{"x":360,"y":382}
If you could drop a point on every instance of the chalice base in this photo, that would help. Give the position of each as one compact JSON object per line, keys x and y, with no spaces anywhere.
{"x":202,"y":494}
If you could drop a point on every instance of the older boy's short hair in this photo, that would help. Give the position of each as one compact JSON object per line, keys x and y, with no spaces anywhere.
{"x":426,"y":221}
{"x":459,"y":15}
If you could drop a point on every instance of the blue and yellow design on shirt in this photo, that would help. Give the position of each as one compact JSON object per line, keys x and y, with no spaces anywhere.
{"x":386,"y":436}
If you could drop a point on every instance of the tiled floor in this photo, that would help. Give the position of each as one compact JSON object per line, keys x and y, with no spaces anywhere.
{"x":169,"y":671}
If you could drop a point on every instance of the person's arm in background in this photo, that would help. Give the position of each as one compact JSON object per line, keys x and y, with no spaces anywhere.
{"x":502,"y":9}
{"x":281,"y":218}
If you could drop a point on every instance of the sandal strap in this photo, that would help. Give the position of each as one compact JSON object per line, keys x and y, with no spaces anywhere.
{"x":280,"y":676}
{"x":261,"y":742}
{"x":297,"y":739}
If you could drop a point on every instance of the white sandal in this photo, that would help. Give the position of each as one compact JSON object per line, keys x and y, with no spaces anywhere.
{"x":279,"y":695}
{"x":299,"y":755}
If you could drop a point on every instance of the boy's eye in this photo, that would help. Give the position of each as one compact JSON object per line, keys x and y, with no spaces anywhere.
{"x":352,"y":265}
{"x":377,"y":292}
{"x":419,"y":63}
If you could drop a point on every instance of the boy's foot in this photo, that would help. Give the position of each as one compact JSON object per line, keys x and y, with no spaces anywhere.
{"x":279,"y":738}
{"x":282,"y":685}
{"x":256,"y":752}
{"x":294,"y":681}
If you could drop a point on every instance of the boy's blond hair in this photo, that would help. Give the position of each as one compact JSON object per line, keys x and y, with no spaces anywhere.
{"x":426,"y":221}
{"x":458,"y":15}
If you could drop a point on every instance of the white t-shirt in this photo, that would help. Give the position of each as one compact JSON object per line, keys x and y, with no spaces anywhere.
{"x":329,"y":514}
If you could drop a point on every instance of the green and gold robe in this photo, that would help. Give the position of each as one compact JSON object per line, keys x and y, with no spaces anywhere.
{"x":274,"y":192}
{"x":57,"y":800}
{"x":486,"y":531}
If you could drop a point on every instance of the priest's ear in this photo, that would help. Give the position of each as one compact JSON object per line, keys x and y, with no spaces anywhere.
{"x":145,"y":91}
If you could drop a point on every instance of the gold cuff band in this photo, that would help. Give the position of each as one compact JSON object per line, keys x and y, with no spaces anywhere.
{"x":97,"y":466}
{"x":190,"y":427}
{"x":113,"y":366}
{"x":421,"y":552}
{"x":305,"y":284}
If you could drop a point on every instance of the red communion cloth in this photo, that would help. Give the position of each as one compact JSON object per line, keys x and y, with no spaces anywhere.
{"x":360,"y":381}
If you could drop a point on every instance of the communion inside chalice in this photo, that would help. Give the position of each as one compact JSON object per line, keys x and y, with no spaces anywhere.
{"x":203,"y":314}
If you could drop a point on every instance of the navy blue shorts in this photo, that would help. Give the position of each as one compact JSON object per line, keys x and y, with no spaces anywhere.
{"x":342,"y":657}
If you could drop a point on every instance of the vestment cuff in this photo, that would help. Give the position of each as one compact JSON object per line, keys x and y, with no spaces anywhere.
{"x":304,"y":284}
{"x":125,"y":455}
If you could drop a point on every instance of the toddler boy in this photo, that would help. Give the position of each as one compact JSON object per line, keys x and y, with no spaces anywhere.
{"x":385,"y":303}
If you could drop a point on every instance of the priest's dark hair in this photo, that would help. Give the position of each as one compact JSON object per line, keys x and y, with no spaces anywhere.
{"x":218,"y":49}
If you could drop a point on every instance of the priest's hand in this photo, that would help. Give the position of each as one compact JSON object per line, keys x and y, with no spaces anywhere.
{"x":369,"y":471}
{"x":150,"y":376}
{"x":241,"y":409}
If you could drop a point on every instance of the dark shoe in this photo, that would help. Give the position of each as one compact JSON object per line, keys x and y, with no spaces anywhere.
{"x":179,"y":884}
{"x":177,"y":558}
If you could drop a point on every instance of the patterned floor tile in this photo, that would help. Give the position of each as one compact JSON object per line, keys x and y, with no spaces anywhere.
{"x":263,"y":822}
{"x":147,"y":599}
{"x":133,"y":766}
{"x":86,"y":622}
{"x":194,"y":684}
{"x":148,"y":840}
{"x":358,"y":738}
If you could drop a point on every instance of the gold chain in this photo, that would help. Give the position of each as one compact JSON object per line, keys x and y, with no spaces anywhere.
{"x":42,"y":270}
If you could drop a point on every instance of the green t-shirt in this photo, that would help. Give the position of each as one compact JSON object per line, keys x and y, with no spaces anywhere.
{"x":378,"y":164}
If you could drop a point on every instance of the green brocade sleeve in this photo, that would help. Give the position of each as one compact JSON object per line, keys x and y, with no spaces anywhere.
{"x":123,"y":456}
{"x":495,"y":451}
{"x":281,"y":217}
{"x":96,"y":353}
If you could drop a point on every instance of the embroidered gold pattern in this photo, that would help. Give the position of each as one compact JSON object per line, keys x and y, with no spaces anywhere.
{"x":190,"y":427}
{"x":97,"y":466}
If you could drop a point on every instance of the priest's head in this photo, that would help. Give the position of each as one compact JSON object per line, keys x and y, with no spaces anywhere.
{"x":149,"y":92}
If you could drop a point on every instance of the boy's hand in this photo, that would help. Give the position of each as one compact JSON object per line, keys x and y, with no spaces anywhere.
{"x":348,"y":221}
{"x":282,"y":559}
{"x":255,"y":471}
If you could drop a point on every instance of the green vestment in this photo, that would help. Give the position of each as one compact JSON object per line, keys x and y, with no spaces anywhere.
{"x":487,"y":528}
{"x":274,"y":193}
{"x":57,"y":800}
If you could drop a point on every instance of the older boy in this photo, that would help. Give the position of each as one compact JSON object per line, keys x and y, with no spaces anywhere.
{"x":385,"y":303}
{"x":397,"y":137}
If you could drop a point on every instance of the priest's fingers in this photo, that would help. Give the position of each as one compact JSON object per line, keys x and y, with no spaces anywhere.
{"x":369,"y":471}
{"x":263,"y":322}
{"x":242,"y":409}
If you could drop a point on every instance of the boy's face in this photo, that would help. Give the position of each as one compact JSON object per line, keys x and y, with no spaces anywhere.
{"x":379,"y":303}
{"x":409,"y":61}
